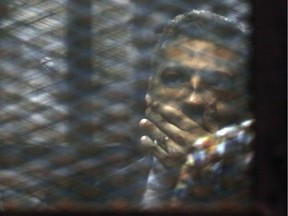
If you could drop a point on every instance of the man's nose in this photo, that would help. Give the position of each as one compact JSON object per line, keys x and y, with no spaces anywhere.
{"x":194,"y":96}
{"x":194,"y":103}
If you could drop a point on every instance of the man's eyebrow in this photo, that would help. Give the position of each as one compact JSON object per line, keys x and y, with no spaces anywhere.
{"x":178,"y":68}
{"x":174,"y":65}
{"x":188,"y":70}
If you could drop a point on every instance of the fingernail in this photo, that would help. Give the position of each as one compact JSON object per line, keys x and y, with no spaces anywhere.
{"x":142,"y":122}
{"x":148,"y":99}
{"x":143,"y":139}
{"x":145,"y":123}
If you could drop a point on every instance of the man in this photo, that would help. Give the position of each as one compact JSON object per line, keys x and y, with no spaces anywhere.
{"x":198,"y":112}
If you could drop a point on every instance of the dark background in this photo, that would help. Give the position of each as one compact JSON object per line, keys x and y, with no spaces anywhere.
{"x":270,"y":91}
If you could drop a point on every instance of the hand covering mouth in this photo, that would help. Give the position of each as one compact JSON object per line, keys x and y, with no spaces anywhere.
{"x":202,"y":114}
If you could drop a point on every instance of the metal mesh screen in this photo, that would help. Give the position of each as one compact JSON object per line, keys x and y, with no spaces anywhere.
{"x":73,"y":79}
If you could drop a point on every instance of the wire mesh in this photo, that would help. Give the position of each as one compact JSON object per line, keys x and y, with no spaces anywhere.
{"x":73,"y":79}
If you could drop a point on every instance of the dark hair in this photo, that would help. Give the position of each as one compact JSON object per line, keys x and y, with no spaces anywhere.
{"x":207,"y":26}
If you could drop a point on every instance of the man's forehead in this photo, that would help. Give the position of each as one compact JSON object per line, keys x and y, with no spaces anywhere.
{"x":191,"y":45}
{"x":199,"y":54}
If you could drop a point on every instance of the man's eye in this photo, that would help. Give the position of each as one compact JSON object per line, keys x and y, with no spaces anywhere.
{"x":173,"y":77}
{"x":219,"y":81}
{"x":224,"y":85}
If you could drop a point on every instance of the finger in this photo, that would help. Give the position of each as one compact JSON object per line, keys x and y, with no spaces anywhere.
{"x":147,"y":143}
{"x":173,"y":147}
{"x":158,"y":136}
{"x":145,"y":124}
{"x":174,"y":158}
{"x":182,"y":138}
{"x":158,"y":152}
{"x":148,"y":99}
{"x":175,"y":117}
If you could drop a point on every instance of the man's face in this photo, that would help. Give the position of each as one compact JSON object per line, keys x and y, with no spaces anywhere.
{"x":199,"y":78}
